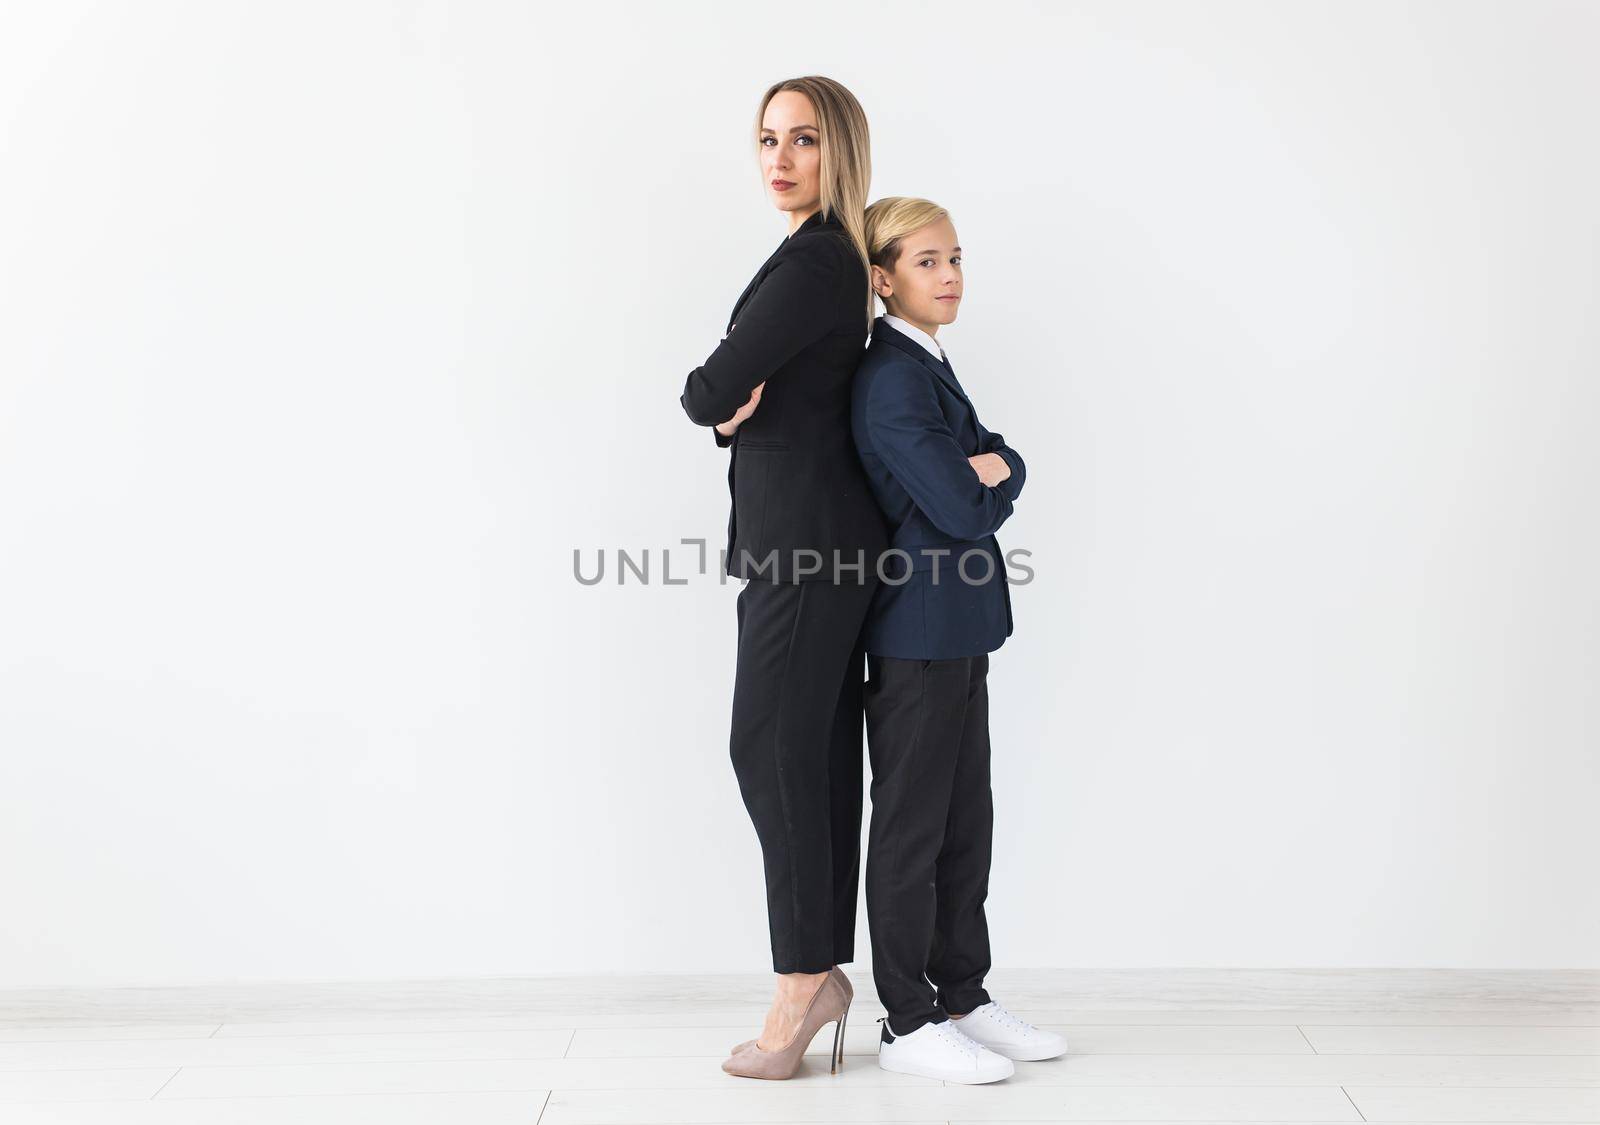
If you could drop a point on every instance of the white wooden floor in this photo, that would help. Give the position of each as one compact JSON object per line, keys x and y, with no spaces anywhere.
{"x":1276,"y":1046}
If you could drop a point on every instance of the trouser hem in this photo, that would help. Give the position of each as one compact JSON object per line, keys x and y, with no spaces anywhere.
{"x":905,"y":1025}
{"x":964,"y":1002}
{"x":802,"y":966}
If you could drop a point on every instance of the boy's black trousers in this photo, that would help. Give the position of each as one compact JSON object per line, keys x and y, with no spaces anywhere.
{"x":796,"y":749}
{"x":929,"y":843}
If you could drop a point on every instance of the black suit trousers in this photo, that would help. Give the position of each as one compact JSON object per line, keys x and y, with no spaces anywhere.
{"x":929,"y":844}
{"x":796,"y":749}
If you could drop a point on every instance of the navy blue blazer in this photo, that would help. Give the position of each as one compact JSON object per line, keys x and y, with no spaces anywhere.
{"x":914,"y":429}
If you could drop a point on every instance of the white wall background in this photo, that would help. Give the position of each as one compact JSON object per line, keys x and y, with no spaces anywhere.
{"x":328,"y":331}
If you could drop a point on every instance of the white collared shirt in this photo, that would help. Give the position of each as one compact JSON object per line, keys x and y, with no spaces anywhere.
{"x":916,"y":334}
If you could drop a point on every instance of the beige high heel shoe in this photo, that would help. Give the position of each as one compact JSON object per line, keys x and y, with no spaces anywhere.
{"x":829,"y":1004}
{"x":849,"y":990}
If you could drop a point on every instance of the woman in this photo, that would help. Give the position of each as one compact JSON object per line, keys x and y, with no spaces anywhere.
{"x":806,"y":532}
{"x":946,"y":484}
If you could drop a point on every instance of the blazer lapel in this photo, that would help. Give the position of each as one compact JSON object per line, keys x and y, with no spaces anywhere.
{"x":900,"y":340}
{"x":972,"y":410}
{"x":948,"y":372}
{"x":814,"y":221}
{"x":751,"y":288}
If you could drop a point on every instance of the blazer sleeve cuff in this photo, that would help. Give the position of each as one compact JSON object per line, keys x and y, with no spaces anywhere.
{"x":1011,"y":487}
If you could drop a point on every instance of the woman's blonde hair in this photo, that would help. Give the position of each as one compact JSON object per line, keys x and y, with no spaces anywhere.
{"x":846,"y":156}
{"x":889,"y":220}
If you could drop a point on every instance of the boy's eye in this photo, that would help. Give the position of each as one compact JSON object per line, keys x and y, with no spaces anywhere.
{"x":956,"y":261}
{"x":926,"y":262}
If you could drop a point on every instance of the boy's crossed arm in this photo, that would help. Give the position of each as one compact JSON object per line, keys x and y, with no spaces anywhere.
{"x":909,"y":431}
{"x":994,"y":444}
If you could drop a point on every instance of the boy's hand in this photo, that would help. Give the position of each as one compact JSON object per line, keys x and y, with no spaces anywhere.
{"x":990,"y":467}
{"x":727,"y":428}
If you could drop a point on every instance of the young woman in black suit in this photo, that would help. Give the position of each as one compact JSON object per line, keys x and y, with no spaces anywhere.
{"x":805,"y":532}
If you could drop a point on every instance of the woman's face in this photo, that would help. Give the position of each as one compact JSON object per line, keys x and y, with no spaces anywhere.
{"x":925,"y":285}
{"x":791,"y":152}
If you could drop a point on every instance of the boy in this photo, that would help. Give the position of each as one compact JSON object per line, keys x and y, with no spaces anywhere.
{"x":945,"y":484}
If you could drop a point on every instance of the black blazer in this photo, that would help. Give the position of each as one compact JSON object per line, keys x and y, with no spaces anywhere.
{"x":794,"y":476}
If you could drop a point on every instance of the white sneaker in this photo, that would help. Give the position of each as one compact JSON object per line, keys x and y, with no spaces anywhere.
{"x":939,"y":1050}
{"x":1004,"y":1034}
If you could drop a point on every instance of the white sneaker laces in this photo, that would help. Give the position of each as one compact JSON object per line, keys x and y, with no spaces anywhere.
{"x":956,"y":1037}
{"x":1006,"y":1019}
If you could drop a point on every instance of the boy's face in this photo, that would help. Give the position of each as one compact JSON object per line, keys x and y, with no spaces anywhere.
{"x":925,"y":285}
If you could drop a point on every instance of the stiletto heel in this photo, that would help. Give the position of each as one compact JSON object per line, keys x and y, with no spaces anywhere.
{"x":849,"y":994}
{"x":837,"y":1061}
{"x":828,"y":1005}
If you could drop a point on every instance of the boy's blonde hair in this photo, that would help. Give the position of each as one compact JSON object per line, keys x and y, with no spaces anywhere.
{"x":890,"y":219}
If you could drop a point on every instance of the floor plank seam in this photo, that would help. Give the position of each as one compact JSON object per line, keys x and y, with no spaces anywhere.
{"x":164,"y":1085}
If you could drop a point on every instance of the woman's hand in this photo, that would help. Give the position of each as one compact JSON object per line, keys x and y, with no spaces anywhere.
{"x":990,"y":467}
{"x":726,"y":428}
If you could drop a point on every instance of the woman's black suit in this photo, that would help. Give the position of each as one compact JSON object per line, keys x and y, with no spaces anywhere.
{"x":800,"y":504}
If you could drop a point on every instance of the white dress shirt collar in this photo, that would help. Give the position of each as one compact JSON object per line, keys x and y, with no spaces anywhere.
{"x":916,"y":334}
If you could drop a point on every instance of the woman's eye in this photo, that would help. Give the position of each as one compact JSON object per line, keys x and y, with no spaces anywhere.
{"x":956,"y":261}
{"x":802,"y":137}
